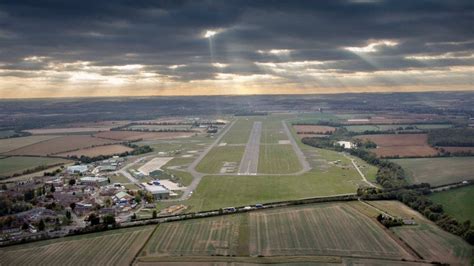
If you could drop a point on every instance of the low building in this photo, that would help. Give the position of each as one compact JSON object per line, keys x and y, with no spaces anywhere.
{"x":346,"y":144}
{"x":77,"y":169}
{"x":122,"y":197}
{"x":158,"y":191}
{"x":94,"y":181}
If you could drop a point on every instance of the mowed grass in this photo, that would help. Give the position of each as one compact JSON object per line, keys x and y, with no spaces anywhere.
{"x":278,"y":159}
{"x":14,"y":165}
{"x":239,"y":132}
{"x":199,"y":237}
{"x":272,"y":130}
{"x":457,"y":202}
{"x":323,"y":229}
{"x":438,"y":171}
{"x":117,"y":247}
{"x":214,"y":160}
{"x":16,"y":143}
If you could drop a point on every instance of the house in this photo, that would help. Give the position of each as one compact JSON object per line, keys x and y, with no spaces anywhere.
{"x":122,"y":197}
{"x":158,"y":191}
{"x":346,"y":144}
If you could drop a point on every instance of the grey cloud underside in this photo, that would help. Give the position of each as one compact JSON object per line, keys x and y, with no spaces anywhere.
{"x":159,"y":34}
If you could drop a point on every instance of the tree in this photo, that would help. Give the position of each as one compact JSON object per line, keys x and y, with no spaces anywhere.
{"x":53,"y":189}
{"x":68,"y":215}
{"x":72,"y":205}
{"x":134,"y":216}
{"x":72,"y":182}
{"x":25,"y":226}
{"x":154,"y":214}
{"x":108,"y":179}
{"x":109,"y":219}
{"x":41,"y":225}
{"x":94,"y":219}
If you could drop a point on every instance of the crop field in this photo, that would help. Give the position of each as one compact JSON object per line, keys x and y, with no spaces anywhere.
{"x":403,"y":145}
{"x":137,"y":135}
{"x":117,"y":247}
{"x":200,"y":237}
{"x":277,"y":159}
{"x":239,"y":133}
{"x":13,"y":165}
{"x":325,"y":229}
{"x":404,"y":127}
{"x":15,"y":143}
{"x":66,"y":130}
{"x":438,"y":171}
{"x":215,"y":159}
{"x":113,"y":149}
{"x":160,"y":127}
{"x":301,"y":129}
{"x":434,"y":244}
{"x":457,"y":202}
{"x":60,"y":145}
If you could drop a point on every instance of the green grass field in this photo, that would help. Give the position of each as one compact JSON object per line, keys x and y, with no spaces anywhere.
{"x":438,"y":171}
{"x":239,"y":133}
{"x":457,"y":202}
{"x":277,"y":159}
{"x":214,"y":160}
{"x":14,"y":165}
{"x":272,"y":130}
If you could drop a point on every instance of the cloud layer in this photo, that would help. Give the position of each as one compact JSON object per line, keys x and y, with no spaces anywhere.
{"x":95,"y":48}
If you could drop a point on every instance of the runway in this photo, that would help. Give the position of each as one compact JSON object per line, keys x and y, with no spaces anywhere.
{"x":249,"y":162}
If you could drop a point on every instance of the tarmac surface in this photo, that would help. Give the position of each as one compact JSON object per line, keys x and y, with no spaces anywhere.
{"x":249,"y":162}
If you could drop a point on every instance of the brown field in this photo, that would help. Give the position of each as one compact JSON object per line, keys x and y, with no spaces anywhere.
{"x":325,"y":229}
{"x":15,"y":143}
{"x":60,"y":145}
{"x":116,"y":247}
{"x":458,"y":149}
{"x":312,"y":136}
{"x":96,"y":151}
{"x":301,"y":129}
{"x":394,"y":119}
{"x":403,"y":145}
{"x":136,"y":135}
{"x":66,"y":130}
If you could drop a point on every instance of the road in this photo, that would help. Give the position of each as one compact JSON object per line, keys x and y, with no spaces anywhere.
{"x":249,"y":162}
{"x":123,"y":171}
{"x":304,"y":163}
{"x":360,"y":172}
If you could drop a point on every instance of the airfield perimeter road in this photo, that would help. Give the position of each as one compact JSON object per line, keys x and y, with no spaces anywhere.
{"x":304,"y":163}
{"x":249,"y":162}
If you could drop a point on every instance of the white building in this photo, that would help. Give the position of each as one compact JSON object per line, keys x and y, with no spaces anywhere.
{"x":346,"y":144}
{"x":94,"y":181}
{"x":158,"y":191}
{"x":77,"y":169}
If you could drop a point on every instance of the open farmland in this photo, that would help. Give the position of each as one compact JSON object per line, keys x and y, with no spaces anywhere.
{"x":403,"y":145}
{"x":97,"y":151}
{"x":16,"y":165}
{"x":395,"y":127}
{"x":16,"y":143}
{"x":277,"y":159}
{"x":457,"y":149}
{"x":214,"y":161}
{"x":457,"y":202}
{"x":201,"y":237}
{"x":116,"y":247}
{"x":438,"y":171}
{"x":137,"y":135}
{"x":316,"y":129}
{"x":61,"y":145}
{"x":66,"y":130}
{"x":325,"y":229}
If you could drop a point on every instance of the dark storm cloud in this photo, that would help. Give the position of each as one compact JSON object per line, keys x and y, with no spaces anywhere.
{"x":160,"y":34}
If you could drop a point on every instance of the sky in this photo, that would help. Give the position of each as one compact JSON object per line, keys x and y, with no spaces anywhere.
{"x":141,"y":48}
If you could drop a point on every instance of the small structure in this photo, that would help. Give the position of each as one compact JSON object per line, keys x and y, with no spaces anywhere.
{"x":158,"y":191}
{"x":346,"y":144}
{"x":94,"y":181}
{"x":122,"y":197}
{"x":77,"y":169}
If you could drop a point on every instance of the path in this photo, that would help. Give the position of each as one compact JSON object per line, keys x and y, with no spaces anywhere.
{"x":360,"y":172}
{"x":249,"y":162}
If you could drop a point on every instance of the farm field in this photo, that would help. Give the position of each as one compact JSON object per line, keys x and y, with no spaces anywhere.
{"x":214,"y":161}
{"x":137,"y":135}
{"x":200,"y":237}
{"x":457,"y":149}
{"x":438,"y":171}
{"x":97,"y":151}
{"x":66,"y":130}
{"x":457,"y":202}
{"x":362,"y":128}
{"x":277,"y":159}
{"x":60,"y":145}
{"x":117,"y":247}
{"x":324,"y":229}
{"x":160,"y":127}
{"x":15,"y":143}
{"x":403,"y":145}
{"x":16,"y":165}
{"x":302,"y":129}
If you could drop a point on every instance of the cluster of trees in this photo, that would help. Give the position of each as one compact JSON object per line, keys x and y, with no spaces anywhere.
{"x":458,"y":137}
{"x":389,"y":221}
{"x":16,"y":134}
{"x":137,"y":150}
